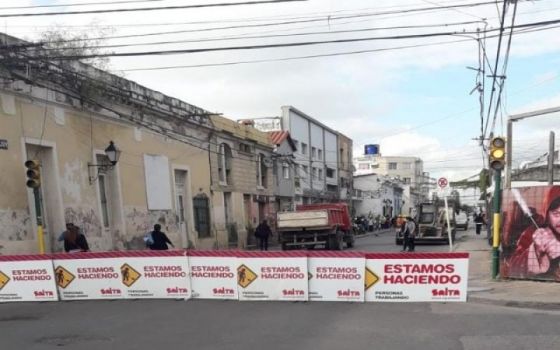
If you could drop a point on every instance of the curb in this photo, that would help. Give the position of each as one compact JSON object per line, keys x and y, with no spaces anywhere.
{"x":537,"y":305}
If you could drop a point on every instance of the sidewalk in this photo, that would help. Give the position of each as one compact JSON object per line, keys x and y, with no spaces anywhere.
{"x":515,"y":293}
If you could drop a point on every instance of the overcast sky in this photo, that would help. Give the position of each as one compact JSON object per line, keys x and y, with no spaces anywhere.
{"x":412,"y":101}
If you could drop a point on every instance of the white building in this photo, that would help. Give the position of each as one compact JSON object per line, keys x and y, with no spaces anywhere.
{"x":378,"y":195}
{"x":409,"y":169}
{"x":316,"y":158}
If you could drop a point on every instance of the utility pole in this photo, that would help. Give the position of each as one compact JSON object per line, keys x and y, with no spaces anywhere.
{"x":551,"y":159}
{"x":497,"y":162}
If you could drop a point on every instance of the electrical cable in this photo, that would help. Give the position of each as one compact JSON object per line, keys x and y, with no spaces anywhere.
{"x":146,"y":9}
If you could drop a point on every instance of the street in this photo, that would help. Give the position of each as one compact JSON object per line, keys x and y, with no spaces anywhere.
{"x":203,"y":324}
{"x":214,"y":325}
{"x":384,"y":241}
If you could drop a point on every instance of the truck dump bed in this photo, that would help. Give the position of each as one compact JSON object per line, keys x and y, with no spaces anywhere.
{"x":303,"y":219}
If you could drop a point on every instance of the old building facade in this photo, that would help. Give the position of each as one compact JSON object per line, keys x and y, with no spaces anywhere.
{"x":241,"y":161}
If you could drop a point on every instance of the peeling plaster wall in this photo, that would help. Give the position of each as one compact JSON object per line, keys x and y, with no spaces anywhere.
{"x":139,"y":221}
{"x":80,"y":198}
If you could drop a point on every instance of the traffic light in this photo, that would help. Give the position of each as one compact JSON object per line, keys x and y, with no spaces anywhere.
{"x":33,"y":173}
{"x":498,"y":153}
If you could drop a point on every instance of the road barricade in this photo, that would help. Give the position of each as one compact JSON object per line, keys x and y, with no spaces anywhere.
{"x":119,"y":275}
{"x":272,"y":275}
{"x":26,"y":278}
{"x":213,"y":274}
{"x":417,"y":277}
{"x":336,"y":276}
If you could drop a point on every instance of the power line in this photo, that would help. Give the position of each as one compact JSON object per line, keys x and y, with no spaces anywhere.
{"x":343,"y":53}
{"x":245,"y":37}
{"x":80,"y":4}
{"x":494,"y":76}
{"x":504,"y":68}
{"x":254,"y":47}
{"x":290,"y":44}
{"x":159,"y":8}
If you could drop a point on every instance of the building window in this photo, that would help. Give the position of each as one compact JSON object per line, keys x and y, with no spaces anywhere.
{"x":330,"y":173}
{"x":243,"y":147}
{"x":304,"y":171}
{"x":320,"y":174}
{"x":314,"y":173}
{"x":406,"y":180}
{"x":313,"y":152}
{"x":363,"y":166}
{"x":296,"y":144}
{"x":303,"y":148}
{"x":285,"y":171}
{"x":392,"y":166}
{"x":201,"y":215}
{"x":224,"y":163}
{"x":261,"y":171}
{"x":406,"y":166}
{"x":320,"y":154}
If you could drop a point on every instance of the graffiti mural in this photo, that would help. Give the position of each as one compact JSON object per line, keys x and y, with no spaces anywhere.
{"x":531,"y":233}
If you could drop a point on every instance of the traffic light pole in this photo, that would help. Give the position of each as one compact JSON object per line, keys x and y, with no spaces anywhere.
{"x":496,"y":223}
{"x":39,"y":219}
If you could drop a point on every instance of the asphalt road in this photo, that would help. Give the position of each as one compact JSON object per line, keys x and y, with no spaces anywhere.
{"x":231,"y":325}
{"x":385,"y":242}
{"x":158,"y":324}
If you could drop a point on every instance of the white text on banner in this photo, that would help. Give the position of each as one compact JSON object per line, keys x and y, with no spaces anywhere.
{"x":214,"y":277}
{"x":272,"y":277}
{"x":84,"y":279}
{"x":27,"y":280}
{"x":417,"y":278}
{"x":336,"y":278}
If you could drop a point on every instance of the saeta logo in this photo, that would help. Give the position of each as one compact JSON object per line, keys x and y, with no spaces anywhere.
{"x":348,"y":293}
{"x":177,"y":290}
{"x":223,"y":291}
{"x":446,"y":292}
{"x":293,"y":292}
{"x":110,"y":291}
{"x":43,"y":294}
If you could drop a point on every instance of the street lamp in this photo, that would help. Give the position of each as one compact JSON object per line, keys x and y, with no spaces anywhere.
{"x":113,"y":154}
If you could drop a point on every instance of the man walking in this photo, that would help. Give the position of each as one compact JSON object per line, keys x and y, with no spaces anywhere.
{"x":478,"y":220}
{"x":262,"y":233}
{"x":159,"y":240}
{"x":409,"y":234}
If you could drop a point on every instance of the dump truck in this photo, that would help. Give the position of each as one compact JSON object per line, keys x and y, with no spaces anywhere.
{"x":313,"y":225}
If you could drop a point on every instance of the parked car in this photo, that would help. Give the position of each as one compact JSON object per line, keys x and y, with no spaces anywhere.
{"x":462,"y":220}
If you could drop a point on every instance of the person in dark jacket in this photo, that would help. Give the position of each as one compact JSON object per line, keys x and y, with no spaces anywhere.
{"x":159,"y":239}
{"x":478,"y":220}
{"x":262,"y":233}
{"x":74,"y":240}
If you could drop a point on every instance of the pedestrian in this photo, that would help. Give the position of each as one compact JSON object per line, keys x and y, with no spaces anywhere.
{"x":69,"y":226}
{"x":370,"y":224}
{"x":478,"y":220}
{"x":158,"y":240}
{"x":409,"y":234}
{"x":262,"y":232}
{"x":74,"y":241}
